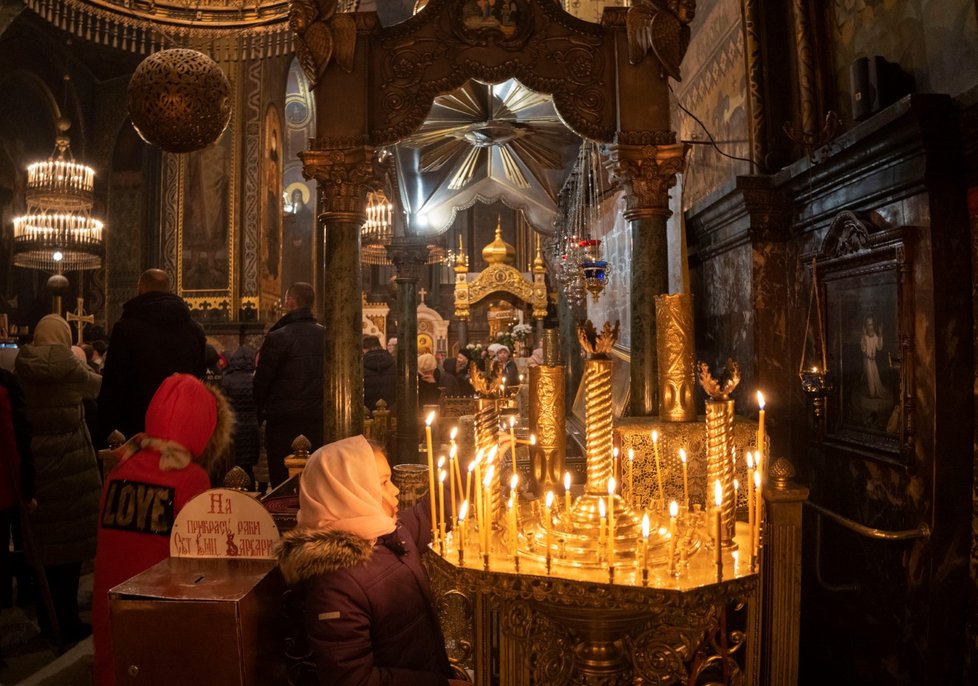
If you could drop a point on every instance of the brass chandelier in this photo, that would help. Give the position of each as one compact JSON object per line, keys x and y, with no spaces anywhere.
{"x":58,"y":232}
{"x":378,"y":230}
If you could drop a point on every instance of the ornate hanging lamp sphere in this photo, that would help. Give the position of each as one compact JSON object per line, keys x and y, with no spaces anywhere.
{"x":179,"y":100}
{"x":58,"y":284}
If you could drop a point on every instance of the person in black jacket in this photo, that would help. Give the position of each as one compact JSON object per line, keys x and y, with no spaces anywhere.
{"x":155,"y":338}
{"x":289,"y":380}
{"x":379,"y":374}
{"x":237,"y":384}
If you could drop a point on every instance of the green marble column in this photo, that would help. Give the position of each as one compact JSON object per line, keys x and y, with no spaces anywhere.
{"x":463,"y":333}
{"x":409,"y":256}
{"x":645,"y":170}
{"x":344,"y":175}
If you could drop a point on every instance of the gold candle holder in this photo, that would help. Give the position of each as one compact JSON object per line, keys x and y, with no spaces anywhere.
{"x":719,"y":443}
{"x":486,"y":430}
{"x":675,"y":350}
{"x":548,"y":422}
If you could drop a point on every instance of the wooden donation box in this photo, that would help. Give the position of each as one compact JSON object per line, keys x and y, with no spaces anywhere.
{"x":211,"y":613}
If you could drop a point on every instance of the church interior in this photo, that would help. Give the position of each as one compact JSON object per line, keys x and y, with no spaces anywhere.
{"x":773,"y":206}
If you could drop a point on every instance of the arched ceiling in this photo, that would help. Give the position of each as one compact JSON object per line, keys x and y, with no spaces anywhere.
{"x":483,"y":143}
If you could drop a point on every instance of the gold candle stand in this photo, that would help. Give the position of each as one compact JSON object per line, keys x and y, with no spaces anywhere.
{"x":486,"y":436}
{"x":548,"y":422}
{"x":719,"y":444}
{"x":675,"y":349}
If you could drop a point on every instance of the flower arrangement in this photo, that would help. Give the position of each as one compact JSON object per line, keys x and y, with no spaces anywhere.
{"x":505,"y":338}
{"x":521,"y":332}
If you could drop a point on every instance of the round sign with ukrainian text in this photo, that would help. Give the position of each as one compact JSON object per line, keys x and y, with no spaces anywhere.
{"x":224,"y":523}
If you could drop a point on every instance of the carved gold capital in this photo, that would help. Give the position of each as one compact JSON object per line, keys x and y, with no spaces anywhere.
{"x":645,"y":173}
{"x":409,"y":257}
{"x":345,"y":173}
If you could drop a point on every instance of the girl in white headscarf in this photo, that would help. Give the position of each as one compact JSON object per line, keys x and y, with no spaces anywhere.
{"x":368,"y":608}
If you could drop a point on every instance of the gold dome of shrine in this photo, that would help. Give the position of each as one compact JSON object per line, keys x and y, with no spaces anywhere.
{"x":499,"y":251}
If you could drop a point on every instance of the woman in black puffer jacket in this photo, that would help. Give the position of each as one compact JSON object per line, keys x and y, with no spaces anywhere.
{"x":237,"y":383}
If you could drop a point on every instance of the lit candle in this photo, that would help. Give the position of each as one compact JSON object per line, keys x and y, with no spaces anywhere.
{"x":631,"y":481}
{"x":462,"y":512}
{"x":486,"y":511}
{"x":512,"y":439}
{"x":682,"y":458}
{"x":441,"y":504}
{"x":614,"y":462}
{"x":658,"y":465}
{"x":548,"y":522}
{"x":750,"y":499}
{"x":645,"y":548}
{"x":468,"y":481}
{"x":480,"y":515}
{"x":511,"y":512}
{"x":431,"y":475}
{"x":757,"y":514}
{"x":673,"y":513}
{"x":611,"y":521}
{"x":453,"y":453}
{"x":760,"y":428}
{"x":602,"y":516}
{"x":717,"y":524}
{"x":567,"y":498}
{"x":452,"y":469}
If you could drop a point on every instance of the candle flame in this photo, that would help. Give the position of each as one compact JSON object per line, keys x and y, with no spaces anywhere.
{"x":514,"y":480}
{"x":645,"y":526}
{"x":601,"y":508}
{"x":750,"y":460}
{"x":509,"y":503}
{"x":550,"y":498}
{"x":614,"y":453}
{"x":453,"y":451}
{"x":736,"y":486}
{"x":611,"y":485}
{"x":473,"y":464}
{"x":430,"y":418}
{"x":757,"y":479}
{"x":673,"y":509}
{"x":682,"y":456}
{"x":760,"y":400}
{"x":441,"y":475}
{"x":462,"y":511}
{"x":631,"y":455}
{"x":441,"y":461}
{"x":718,"y":493}
{"x":533,"y":439}
{"x":492,"y":454}
{"x":454,"y":433}
{"x":512,"y":421}
{"x":566,"y":481}
{"x":655,"y":436}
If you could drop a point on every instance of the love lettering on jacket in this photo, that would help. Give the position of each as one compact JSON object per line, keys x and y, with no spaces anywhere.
{"x":139,"y":507}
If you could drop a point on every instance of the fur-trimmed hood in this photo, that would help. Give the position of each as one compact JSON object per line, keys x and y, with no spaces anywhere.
{"x":307,"y":553}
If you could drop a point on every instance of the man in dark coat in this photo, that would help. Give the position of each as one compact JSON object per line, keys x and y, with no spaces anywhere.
{"x":237,"y":383}
{"x":289,"y":380}
{"x":155,"y":338}
{"x":379,"y":374}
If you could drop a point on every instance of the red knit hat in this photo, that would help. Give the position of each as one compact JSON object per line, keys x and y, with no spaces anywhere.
{"x":182,"y":410}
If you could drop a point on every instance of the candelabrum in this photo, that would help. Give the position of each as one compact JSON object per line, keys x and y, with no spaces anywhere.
{"x":547,"y":417}
{"x":674,"y":344}
{"x":719,"y":443}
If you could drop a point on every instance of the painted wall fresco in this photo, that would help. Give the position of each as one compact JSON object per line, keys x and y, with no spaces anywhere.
{"x":933,"y":40}
{"x":714,"y":88}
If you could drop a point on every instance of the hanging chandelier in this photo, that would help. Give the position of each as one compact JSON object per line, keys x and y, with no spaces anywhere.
{"x":378,"y":230}
{"x":58,"y":233}
{"x":579,"y":267}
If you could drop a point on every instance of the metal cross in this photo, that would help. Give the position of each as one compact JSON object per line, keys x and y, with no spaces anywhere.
{"x":80,"y":319}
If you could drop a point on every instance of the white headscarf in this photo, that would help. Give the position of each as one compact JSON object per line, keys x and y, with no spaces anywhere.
{"x":340,"y":491}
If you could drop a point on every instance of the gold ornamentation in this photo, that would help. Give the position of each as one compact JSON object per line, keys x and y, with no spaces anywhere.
{"x":495,"y":278}
{"x":322,"y":32}
{"x":598,"y":424}
{"x":675,"y":347}
{"x":714,"y":388}
{"x":486,"y":437}
{"x":179,"y":100}
{"x":645,"y":173}
{"x":598,"y":345}
{"x":547,"y":418}
{"x":663,"y":28}
{"x":345,"y":175}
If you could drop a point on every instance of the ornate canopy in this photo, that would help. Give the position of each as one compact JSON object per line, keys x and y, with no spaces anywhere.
{"x":501,"y":277}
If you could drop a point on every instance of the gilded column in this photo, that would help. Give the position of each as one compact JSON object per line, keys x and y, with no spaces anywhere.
{"x":345,"y":171}
{"x":597,"y":404}
{"x":719,"y":444}
{"x":644,"y":165}
{"x":547,"y":417}
{"x":675,"y":349}
{"x":409,"y":256}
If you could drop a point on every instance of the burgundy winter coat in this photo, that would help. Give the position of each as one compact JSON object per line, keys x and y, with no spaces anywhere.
{"x":368,"y":608}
